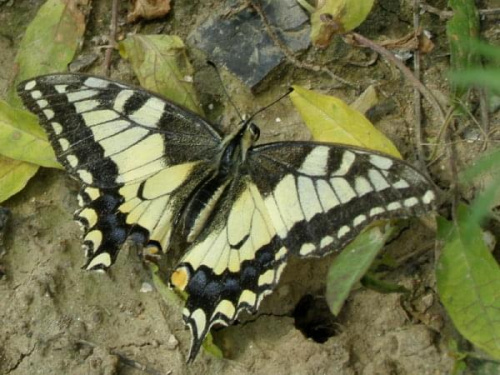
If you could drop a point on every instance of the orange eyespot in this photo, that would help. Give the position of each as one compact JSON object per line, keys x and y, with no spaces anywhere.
{"x":180,"y":278}
{"x":151,"y":250}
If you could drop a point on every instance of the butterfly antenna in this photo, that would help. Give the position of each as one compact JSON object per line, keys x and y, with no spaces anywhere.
{"x":270,"y":104}
{"x":224,"y":88}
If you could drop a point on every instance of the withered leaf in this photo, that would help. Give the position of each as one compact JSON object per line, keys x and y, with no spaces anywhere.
{"x":148,"y":9}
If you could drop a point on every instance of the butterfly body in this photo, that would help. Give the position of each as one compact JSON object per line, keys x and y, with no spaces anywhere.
{"x":228,"y":164}
{"x":155,"y":172}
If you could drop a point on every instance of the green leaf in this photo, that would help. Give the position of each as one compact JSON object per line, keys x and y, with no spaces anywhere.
{"x":374,"y":283}
{"x":331,"y":120}
{"x":485,"y":163}
{"x":468,"y":281}
{"x":161,"y":65}
{"x":168,"y":294}
{"x":486,"y":50}
{"x":21,"y":138}
{"x":210,"y":347}
{"x":352,"y":263}
{"x":336,"y":17}
{"x":489,"y":78}
{"x":462,"y":29}
{"x":50,"y":42}
{"x":14,"y":175}
{"x":481,"y":207}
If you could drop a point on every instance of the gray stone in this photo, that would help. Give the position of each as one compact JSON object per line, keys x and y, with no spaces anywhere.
{"x":241,"y":43}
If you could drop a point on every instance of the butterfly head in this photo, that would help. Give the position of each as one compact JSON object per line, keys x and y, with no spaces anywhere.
{"x":237,"y":144}
{"x":252,"y":131}
{"x":248,"y":134}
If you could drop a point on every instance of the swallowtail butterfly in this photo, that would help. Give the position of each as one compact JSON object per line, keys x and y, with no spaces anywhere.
{"x":158,"y":173}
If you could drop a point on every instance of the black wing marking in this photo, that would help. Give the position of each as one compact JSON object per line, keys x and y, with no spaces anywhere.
{"x":320,"y":196}
{"x":236,"y":261}
{"x":100,"y":128}
{"x":120,"y":142}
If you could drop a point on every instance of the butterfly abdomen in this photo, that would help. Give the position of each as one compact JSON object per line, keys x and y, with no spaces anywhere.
{"x":201,"y":206}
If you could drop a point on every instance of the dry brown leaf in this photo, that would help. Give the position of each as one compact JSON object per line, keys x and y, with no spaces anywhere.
{"x":148,"y":9}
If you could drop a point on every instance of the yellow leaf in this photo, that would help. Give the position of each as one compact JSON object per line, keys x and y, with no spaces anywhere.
{"x":331,"y":120}
{"x":14,"y":175}
{"x":336,"y":17}
{"x":21,"y":138}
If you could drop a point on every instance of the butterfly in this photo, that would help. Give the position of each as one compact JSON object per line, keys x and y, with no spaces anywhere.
{"x":159,"y":174}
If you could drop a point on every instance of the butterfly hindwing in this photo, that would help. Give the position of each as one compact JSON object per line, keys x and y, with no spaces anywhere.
{"x":321,"y":196}
{"x":143,"y":211}
{"x":236,"y":261}
{"x":132,"y":151}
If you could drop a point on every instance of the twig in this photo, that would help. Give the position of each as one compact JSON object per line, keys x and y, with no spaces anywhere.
{"x":441,"y":132}
{"x":289,"y":54}
{"x":489,"y":12}
{"x":444,"y":14}
{"x":427,"y":94}
{"x":112,"y":38}
{"x":416,"y":95}
{"x":452,"y":157}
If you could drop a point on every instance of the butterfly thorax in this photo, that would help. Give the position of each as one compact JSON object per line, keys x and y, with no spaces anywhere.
{"x":228,"y":166}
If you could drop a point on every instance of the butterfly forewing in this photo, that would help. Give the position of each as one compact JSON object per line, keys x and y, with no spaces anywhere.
{"x":320,"y":196}
{"x":137,"y":155}
{"x":106,"y":133}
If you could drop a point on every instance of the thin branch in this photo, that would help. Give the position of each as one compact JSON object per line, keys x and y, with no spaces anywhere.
{"x":442,"y":130}
{"x":489,"y":12}
{"x":416,"y":94}
{"x":454,"y":188}
{"x":427,"y":94}
{"x":112,"y":38}
{"x":289,"y":54}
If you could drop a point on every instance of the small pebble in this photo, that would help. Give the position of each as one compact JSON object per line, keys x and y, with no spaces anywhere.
{"x":146,"y":287}
{"x":172,"y":342}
